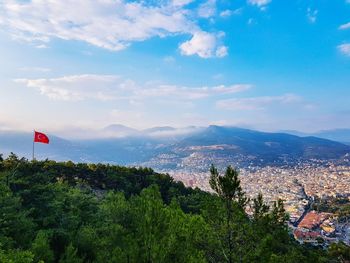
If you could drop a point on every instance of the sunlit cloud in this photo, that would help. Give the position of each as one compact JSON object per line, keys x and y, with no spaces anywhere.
{"x":312,"y":15}
{"x":112,"y":87}
{"x":344,"y":26}
{"x":207,"y":9}
{"x":111,"y":25}
{"x":344,"y":49}
{"x":203,"y":44}
{"x":256,"y":103}
{"x":259,"y":3}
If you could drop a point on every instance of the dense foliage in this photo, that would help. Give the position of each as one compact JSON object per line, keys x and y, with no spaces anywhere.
{"x":66,"y":212}
{"x":337,"y":205}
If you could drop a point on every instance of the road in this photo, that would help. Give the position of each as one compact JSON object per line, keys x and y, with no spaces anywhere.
{"x":307,"y":207}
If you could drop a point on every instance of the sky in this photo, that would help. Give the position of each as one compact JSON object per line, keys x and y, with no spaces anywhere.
{"x":67,"y":66}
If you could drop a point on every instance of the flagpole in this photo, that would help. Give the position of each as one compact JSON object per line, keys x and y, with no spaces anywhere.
{"x":33,"y":146}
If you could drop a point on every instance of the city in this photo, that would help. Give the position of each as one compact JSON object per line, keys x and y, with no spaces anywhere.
{"x":297,"y":186}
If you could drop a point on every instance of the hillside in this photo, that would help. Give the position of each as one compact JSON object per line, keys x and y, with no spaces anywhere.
{"x":262,"y":144}
{"x":339,"y":135}
{"x":66,"y":212}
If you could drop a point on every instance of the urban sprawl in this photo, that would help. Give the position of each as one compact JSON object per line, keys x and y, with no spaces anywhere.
{"x":298,"y":185}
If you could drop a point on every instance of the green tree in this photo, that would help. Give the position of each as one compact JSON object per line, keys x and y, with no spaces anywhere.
{"x":185,"y":236}
{"x":340,"y":251}
{"x":70,"y":255}
{"x":1,"y":162}
{"x":260,"y":209}
{"x":229,"y":190}
{"x":16,"y":256}
{"x":41,"y":247}
{"x":150,"y":224}
{"x":16,"y":228}
{"x":116,"y":229}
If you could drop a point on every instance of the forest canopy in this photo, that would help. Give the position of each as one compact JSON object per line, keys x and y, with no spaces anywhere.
{"x":66,"y":212}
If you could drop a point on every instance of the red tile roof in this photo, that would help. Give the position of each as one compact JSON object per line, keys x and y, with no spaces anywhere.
{"x":298,"y":234}
{"x":313,"y":219}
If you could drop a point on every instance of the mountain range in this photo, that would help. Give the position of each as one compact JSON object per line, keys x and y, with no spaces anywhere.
{"x":339,"y":135}
{"x":168,"y":148}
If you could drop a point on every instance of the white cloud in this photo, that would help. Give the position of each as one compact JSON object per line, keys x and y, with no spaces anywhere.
{"x":35,"y":69}
{"x":312,"y":15}
{"x":232,"y":89}
{"x":228,"y":12}
{"x":251,"y":21}
{"x":221,"y":51}
{"x":259,"y":3}
{"x":344,"y":49}
{"x":189,"y":93}
{"x":112,"y":87}
{"x":108,"y":24}
{"x":207,"y":9}
{"x":80,"y":87}
{"x":256,"y":103}
{"x":181,"y":2}
{"x":203,"y":44}
{"x":169,"y":59}
{"x":344,"y":26}
{"x":41,"y":46}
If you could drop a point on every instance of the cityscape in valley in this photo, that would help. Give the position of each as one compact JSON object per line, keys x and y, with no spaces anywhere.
{"x":304,"y":172}
{"x":301,"y":183}
{"x":298,"y":186}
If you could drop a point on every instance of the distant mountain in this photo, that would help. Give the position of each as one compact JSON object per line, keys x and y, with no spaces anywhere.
{"x":58,"y":149}
{"x":243,"y":147}
{"x":119,"y":130}
{"x":170,"y":132}
{"x":194,"y":148}
{"x":159,"y":129}
{"x":339,"y":135}
{"x":296,"y":133}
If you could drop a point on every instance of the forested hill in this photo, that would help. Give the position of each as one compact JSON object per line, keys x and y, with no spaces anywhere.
{"x":99,"y":178}
{"x":67,"y":213}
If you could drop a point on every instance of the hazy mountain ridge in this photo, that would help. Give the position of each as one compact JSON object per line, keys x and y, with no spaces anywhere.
{"x":59,"y":149}
{"x":190,"y":147}
{"x":244,"y":147}
{"x":339,"y":135}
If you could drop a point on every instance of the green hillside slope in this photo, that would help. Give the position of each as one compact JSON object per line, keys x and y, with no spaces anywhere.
{"x":66,"y":212}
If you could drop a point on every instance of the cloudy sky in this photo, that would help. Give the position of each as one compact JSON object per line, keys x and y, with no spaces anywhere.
{"x":264,"y":64}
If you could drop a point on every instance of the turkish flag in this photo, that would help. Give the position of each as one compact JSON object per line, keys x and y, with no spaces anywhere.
{"x":41,"y":137}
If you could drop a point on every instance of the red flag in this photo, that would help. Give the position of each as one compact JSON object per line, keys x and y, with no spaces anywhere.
{"x":41,"y":137}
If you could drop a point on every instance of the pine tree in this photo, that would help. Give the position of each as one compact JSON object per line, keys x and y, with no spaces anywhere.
{"x":228,"y":187}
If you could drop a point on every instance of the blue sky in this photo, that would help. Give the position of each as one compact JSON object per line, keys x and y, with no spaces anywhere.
{"x":68,"y":66}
